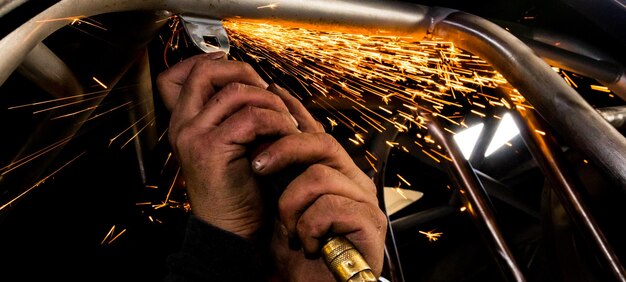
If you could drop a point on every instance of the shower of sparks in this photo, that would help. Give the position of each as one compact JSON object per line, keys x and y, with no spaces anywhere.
{"x":401,"y":77}
{"x":38,"y":183}
{"x":18,"y":163}
{"x":431,"y":235}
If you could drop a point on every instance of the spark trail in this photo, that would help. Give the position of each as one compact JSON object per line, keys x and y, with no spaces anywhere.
{"x":388,"y":81}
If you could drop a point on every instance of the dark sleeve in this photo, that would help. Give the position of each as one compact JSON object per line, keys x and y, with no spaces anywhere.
{"x":212,"y":254}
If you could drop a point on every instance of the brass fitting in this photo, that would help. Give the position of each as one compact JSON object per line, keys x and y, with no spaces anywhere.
{"x":345,"y":261}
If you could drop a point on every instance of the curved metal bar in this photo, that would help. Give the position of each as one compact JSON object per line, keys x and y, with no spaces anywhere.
{"x":608,"y":73}
{"x":543,"y":88}
{"x":367,"y":16}
{"x":49,"y":72}
{"x":549,"y":157}
{"x":478,"y":204}
{"x":379,"y":148}
{"x":8,"y":6}
{"x":616,"y":116}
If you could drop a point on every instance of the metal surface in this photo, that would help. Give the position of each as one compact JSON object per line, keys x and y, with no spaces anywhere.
{"x":616,"y":116}
{"x":543,"y":88}
{"x":365,"y":16}
{"x":548,"y":155}
{"x":9,"y":5}
{"x":478,"y":204}
{"x":49,"y":72}
{"x":207,"y":34}
{"x":345,"y":262}
{"x":533,"y":77}
{"x":608,"y":73}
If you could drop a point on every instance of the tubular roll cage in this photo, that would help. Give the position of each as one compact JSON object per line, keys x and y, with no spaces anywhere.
{"x":525,"y":68}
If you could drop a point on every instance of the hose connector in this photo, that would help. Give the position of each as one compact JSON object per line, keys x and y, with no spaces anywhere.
{"x":345,"y":261}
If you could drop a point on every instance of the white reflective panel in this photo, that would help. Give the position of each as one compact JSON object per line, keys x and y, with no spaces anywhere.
{"x":467,"y":139}
{"x":506,"y":131}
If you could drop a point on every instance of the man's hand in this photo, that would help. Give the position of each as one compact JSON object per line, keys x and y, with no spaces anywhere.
{"x":331,"y":196}
{"x":220,"y":111}
{"x":219,"y":108}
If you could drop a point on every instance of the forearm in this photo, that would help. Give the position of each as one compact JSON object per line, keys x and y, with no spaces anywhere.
{"x":212,"y":254}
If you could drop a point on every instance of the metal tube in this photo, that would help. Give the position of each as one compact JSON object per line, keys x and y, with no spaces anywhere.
{"x":44,"y":68}
{"x":616,"y":116}
{"x":548,"y":155}
{"x":543,"y":88}
{"x":478,"y":204}
{"x":368,"y":16}
{"x":413,"y":220}
{"x":533,"y":77}
{"x":608,"y":73}
{"x":8,"y":6}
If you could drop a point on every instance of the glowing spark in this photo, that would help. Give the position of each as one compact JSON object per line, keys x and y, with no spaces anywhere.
{"x":169,"y":155}
{"x":463,"y":208}
{"x":108,"y":234}
{"x":397,"y":189}
{"x":403,"y":180}
{"x":431,"y":235}
{"x":600,"y":88}
{"x":138,"y":132}
{"x":99,"y":82}
{"x":391,"y":144}
{"x":431,"y":156}
{"x":116,"y":236}
{"x":130,"y":127}
{"x":371,"y":164}
{"x":540,"y":132}
{"x":371,"y":155}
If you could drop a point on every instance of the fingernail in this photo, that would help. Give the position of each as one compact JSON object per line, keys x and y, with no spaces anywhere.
{"x":215,"y":55}
{"x":260,"y":161}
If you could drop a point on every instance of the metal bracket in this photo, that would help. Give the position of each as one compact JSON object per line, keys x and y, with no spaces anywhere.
{"x":207,"y":34}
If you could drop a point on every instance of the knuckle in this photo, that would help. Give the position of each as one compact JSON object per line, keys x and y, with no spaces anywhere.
{"x":329,"y":142}
{"x":233,"y":87}
{"x":162,"y":78}
{"x":181,"y":138}
{"x":380,"y":219}
{"x":320,"y":126}
{"x":309,"y":226}
{"x":283,"y":209}
{"x":317,"y":174}
{"x":246,"y":68}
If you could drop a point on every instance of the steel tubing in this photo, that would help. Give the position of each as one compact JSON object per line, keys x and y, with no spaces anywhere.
{"x":49,"y":72}
{"x":608,"y":73}
{"x":366,"y":16}
{"x":549,"y":157}
{"x":478,"y":204}
{"x":560,"y":105}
